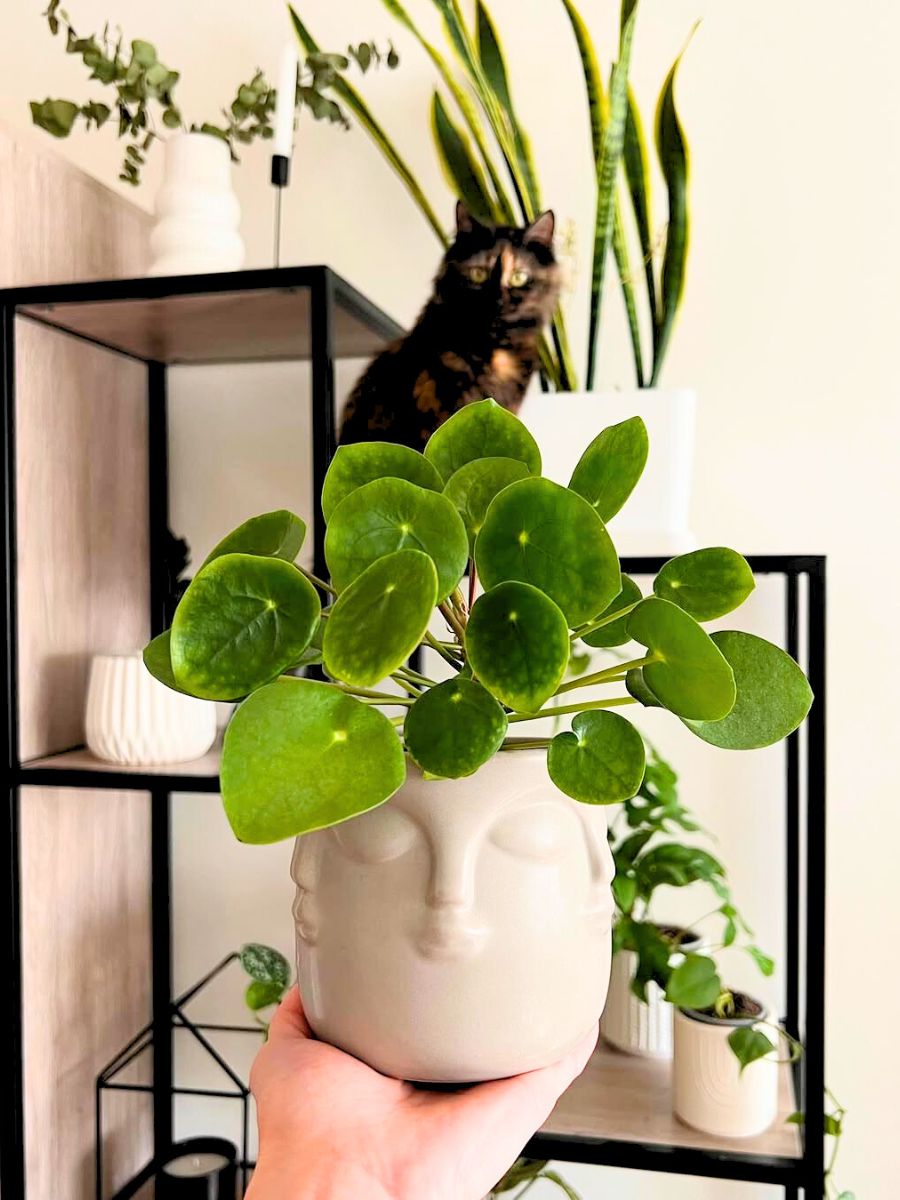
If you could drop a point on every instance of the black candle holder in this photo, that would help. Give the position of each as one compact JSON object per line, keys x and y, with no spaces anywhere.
{"x":199,"y":1168}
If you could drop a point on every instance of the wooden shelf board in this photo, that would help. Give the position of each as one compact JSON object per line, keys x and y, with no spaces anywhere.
{"x":81,"y":760}
{"x":625,"y":1098}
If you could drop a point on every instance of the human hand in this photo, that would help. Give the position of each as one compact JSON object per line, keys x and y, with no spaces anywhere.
{"x":331,"y":1128}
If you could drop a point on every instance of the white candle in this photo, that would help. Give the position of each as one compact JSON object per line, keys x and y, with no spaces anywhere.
{"x":195,"y":1166}
{"x":283,"y":142}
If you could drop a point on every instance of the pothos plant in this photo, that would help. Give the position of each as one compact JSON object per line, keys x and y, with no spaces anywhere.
{"x":269,"y":974}
{"x":140,"y":89}
{"x":402,"y":529}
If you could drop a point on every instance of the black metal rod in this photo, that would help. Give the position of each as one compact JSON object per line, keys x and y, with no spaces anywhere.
{"x":98,"y":1140}
{"x":324,"y":425}
{"x":158,"y":493}
{"x":210,"y":1049}
{"x":161,"y":925}
{"x":792,"y":833}
{"x":185,"y":997}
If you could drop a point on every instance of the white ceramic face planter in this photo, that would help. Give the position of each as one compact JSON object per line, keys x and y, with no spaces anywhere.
{"x":461,"y":931}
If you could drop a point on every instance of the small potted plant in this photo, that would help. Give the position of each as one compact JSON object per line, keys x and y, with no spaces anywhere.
{"x":453,"y":907}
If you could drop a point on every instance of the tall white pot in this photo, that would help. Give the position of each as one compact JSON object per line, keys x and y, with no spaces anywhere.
{"x":461,"y":931}
{"x":656,"y":518}
{"x":197,"y":212}
{"x":710,"y":1092}
{"x":136,"y":721}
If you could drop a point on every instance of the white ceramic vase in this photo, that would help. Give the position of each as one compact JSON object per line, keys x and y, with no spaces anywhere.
{"x":136,"y":721}
{"x":629,"y":1024}
{"x":461,"y":931}
{"x":197,"y":212}
{"x":710,"y":1092}
{"x":656,"y":517}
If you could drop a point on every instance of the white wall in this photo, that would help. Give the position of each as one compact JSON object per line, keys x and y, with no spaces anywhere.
{"x":788,"y":334}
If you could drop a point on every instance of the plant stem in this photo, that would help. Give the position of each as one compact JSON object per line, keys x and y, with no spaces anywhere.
{"x":432,"y":641}
{"x":409,"y":686}
{"x":591,"y":626}
{"x":473,"y":580}
{"x":369,"y":694}
{"x":320,"y":583}
{"x":525,"y":743}
{"x":452,"y":620}
{"x":610,"y":675}
{"x":615,"y":702}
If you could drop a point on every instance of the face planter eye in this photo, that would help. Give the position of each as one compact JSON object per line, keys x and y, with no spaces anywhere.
{"x":540,"y":832}
{"x":377,"y":836}
{"x":478,"y":274}
{"x":519,"y":278}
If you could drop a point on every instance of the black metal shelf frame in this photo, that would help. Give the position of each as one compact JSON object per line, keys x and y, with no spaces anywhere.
{"x":805,"y":595}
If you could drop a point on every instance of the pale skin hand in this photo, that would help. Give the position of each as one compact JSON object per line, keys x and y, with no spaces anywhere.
{"x":331,"y":1128}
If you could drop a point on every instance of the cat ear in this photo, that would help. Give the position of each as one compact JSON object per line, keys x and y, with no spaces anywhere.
{"x":465,"y":222}
{"x":541,"y":228}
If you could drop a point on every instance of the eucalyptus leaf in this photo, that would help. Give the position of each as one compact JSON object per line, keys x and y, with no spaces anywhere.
{"x":301,"y":755}
{"x":611,"y":466}
{"x":616,"y":632}
{"x":601,"y":761}
{"x":472,"y":488}
{"x":517,"y":642}
{"x":394,"y":514}
{"x":748,"y":1045}
{"x":358,"y":464}
{"x":242,"y":621}
{"x":706,"y":583}
{"x":540,"y":533}
{"x":694,"y":983}
{"x":379,"y":620}
{"x":277,"y":534}
{"x":481,"y":430}
{"x":690,"y":676}
{"x":773,"y":695}
{"x":265,"y":965}
{"x":454,"y":728}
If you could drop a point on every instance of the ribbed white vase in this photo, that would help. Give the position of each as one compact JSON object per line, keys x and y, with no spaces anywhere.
{"x":710,"y":1092}
{"x":197,"y":212}
{"x":134,"y":720}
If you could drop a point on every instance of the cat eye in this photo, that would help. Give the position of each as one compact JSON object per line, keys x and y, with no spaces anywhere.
{"x":478,"y":274}
{"x":539,"y":832}
{"x":377,"y":836}
{"x":519,"y":278}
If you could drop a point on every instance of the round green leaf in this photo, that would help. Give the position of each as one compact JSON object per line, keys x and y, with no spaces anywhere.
{"x":276,"y":534}
{"x":694,"y":983}
{"x":773,"y":695}
{"x":481,"y":430}
{"x":608,"y":470}
{"x":158,"y":660}
{"x":636,"y":686}
{"x":691,"y":676}
{"x":517,"y":642}
{"x":300,"y":755}
{"x":394,"y":514}
{"x":360,"y":463}
{"x":540,"y":533}
{"x":706,"y":583}
{"x":601,"y":761}
{"x":378,"y":621}
{"x":454,"y":728}
{"x":472,"y":488}
{"x":616,"y":632}
{"x":243,"y":620}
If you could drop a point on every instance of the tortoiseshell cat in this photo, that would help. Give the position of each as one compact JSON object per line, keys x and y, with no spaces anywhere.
{"x":477,"y":336}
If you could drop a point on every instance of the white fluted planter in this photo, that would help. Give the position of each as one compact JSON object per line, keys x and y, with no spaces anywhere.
{"x":629,"y":1024}
{"x":134,"y":720}
{"x":197,"y":212}
{"x":710,"y":1092}
{"x":656,"y":518}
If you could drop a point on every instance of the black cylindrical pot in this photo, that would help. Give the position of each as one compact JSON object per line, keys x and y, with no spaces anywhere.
{"x":200,"y":1168}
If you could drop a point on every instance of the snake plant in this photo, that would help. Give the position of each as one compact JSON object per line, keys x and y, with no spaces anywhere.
{"x":486,"y":156}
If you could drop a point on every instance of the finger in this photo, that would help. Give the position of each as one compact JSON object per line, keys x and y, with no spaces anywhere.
{"x":290,"y":1020}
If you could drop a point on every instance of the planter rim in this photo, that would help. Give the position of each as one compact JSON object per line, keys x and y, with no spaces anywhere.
{"x":704,"y":1018}
{"x":531,"y":754}
{"x":680,"y":392}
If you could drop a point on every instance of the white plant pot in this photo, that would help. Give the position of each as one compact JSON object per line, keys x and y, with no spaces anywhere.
{"x":461,"y":931}
{"x":710,"y":1092}
{"x":136,"y":721}
{"x":197,"y":212}
{"x":656,"y":517}
{"x":627,"y":1022}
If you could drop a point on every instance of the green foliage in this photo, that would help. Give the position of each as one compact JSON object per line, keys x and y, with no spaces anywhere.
{"x":706,"y":583}
{"x":301,"y":755}
{"x":749,"y":1044}
{"x":525,"y":1172}
{"x":608,"y":471}
{"x":270,"y":978}
{"x":614,"y":629}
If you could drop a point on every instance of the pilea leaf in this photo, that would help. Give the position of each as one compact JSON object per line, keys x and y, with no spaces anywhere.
{"x":607,"y":472}
{"x":353,"y":466}
{"x":616,"y":633}
{"x":454,"y":728}
{"x":158,"y":660}
{"x":277,"y":534}
{"x":472,"y":488}
{"x":636,"y":686}
{"x":706,"y":583}
{"x":600,"y":762}
{"x":481,"y":430}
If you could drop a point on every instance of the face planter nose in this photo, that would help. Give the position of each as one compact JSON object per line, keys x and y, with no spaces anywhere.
{"x":450,"y":930}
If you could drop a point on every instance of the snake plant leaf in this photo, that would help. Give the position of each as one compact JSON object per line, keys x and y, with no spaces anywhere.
{"x":636,"y":687}
{"x":394,"y":514}
{"x":694,"y":983}
{"x":301,"y":755}
{"x":616,"y":632}
{"x":608,"y":471}
{"x":472,"y":488}
{"x":378,"y":621}
{"x":353,"y":466}
{"x":706,"y":583}
{"x":276,"y":534}
{"x":773,"y":695}
{"x":517,"y":642}
{"x":454,"y":728}
{"x":242,"y":621}
{"x":691,"y":676}
{"x":607,"y":180}
{"x":672,"y":150}
{"x":637,"y":176}
{"x":354,"y":101}
{"x":601,"y":761}
{"x":481,"y":430}
{"x":461,"y":170}
{"x":540,"y":533}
